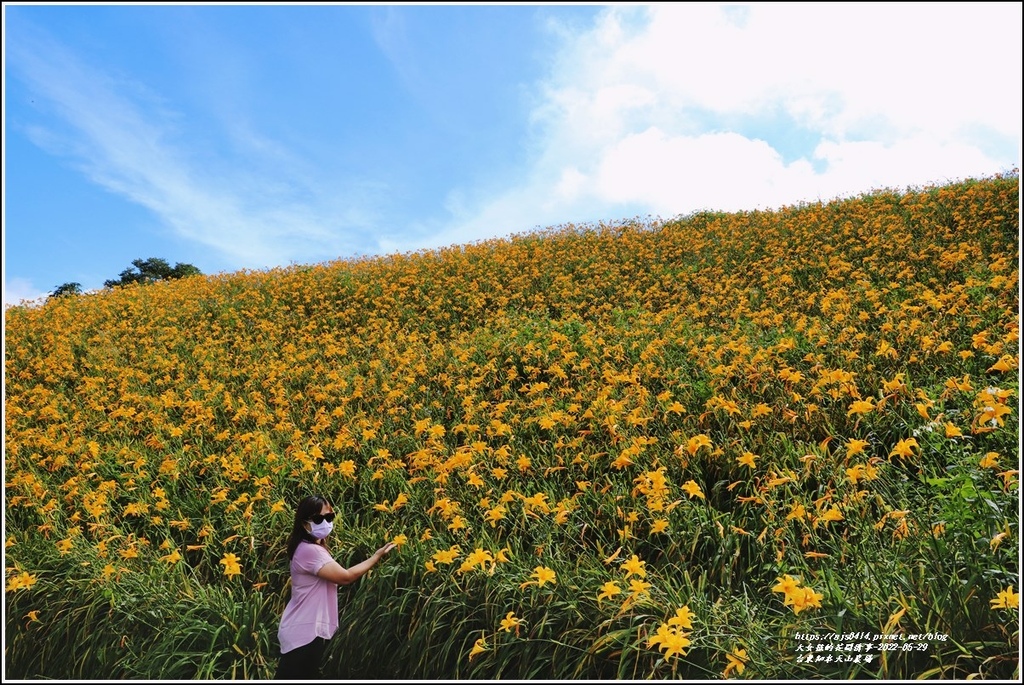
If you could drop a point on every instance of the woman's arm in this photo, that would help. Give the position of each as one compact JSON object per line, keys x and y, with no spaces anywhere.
{"x":336,"y":573}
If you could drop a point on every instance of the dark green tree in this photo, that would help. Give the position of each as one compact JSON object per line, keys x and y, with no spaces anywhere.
{"x":67,"y":289}
{"x":152,"y":270}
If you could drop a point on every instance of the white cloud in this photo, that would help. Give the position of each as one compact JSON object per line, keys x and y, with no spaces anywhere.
{"x":20,"y":291}
{"x":260,"y":207}
{"x":865,"y":165}
{"x":650,"y":111}
{"x":644,"y":168}
{"x":570,"y":182}
{"x":920,"y":71}
{"x":659,"y":109}
{"x":390,"y":32}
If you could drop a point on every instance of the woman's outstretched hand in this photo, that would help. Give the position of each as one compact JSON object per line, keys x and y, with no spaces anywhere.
{"x":384,"y":550}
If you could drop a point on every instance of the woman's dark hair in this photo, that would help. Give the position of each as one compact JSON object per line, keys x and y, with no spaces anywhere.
{"x":307,"y":508}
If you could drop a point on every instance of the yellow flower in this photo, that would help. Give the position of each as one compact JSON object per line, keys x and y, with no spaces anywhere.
{"x":952,"y":431}
{"x":797,"y":512}
{"x":989,"y":461}
{"x":683,"y":618}
{"x":904,"y":448}
{"x":400,"y":539}
{"x":22,"y":581}
{"x":494,"y":515}
{"x":510,"y":621}
{"x":172,"y":558}
{"x":692,"y":489}
{"x":737,"y":661}
{"x":787,"y":584}
{"x":832,"y":514}
{"x":541,"y":575}
{"x":670,"y":640}
{"x":804,"y":598}
{"x":230,"y":563}
{"x":638,"y":587}
{"x":659,"y":526}
{"x":747,"y":459}
{"x":993,"y":414}
{"x":622,"y":461}
{"x":446,"y":556}
{"x":780,"y":480}
{"x":696,"y":442}
{"x":479,"y":646}
{"x":609,"y":590}
{"x":1006,"y":599}
{"x":1005,"y":363}
{"x":634,"y":566}
{"x":799,"y":598}
{"x":477,"y":557}
{"x":855,"y":473}
{"x":861,"y":407}
{"x":855,"y":447}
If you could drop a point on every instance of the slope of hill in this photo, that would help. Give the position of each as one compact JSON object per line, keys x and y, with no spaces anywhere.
{"x":688,"y":449}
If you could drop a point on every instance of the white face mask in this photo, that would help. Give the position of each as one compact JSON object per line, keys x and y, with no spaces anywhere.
{"x":321,"y":530}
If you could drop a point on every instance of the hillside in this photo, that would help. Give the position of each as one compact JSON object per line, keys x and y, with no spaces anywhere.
{"x":719,"y":435}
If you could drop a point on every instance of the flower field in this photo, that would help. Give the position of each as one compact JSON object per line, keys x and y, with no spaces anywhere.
{"x":771,"y":445}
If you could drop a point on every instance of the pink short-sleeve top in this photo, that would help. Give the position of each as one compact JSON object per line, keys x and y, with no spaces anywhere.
{"x":312,"y":609}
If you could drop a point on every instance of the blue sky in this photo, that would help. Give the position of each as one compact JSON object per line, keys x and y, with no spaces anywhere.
{"x":244,"y":137}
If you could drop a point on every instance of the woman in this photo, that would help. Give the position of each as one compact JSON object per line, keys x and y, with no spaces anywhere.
{"x":310,"y":617}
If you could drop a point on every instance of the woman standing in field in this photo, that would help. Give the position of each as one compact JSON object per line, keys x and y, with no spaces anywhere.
{"x":310,"y":617}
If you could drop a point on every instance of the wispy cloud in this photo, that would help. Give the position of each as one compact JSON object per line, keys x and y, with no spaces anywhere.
{"x":21,"y":291}
{"x":660,"y":109}
{"x":256,"y":204}
{"x":390,"y":34}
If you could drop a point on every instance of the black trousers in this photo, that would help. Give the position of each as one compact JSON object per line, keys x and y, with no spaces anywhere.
{"x":302,"y":663}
